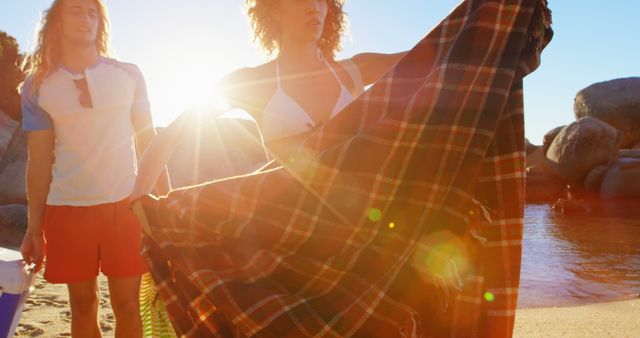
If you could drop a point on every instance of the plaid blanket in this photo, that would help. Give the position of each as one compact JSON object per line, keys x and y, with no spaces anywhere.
{"x":400,"y":217}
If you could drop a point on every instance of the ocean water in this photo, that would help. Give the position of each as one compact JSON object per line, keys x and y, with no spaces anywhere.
{"x":575,"y":260}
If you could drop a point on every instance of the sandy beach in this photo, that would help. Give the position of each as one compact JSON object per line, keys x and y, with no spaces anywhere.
{"x":613,"y":319}
{"x":47,"y":314}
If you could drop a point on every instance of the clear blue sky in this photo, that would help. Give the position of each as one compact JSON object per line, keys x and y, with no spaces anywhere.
{"x":183,"y":46}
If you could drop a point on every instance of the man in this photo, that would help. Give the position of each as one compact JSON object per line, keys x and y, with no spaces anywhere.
{"x":83,"y":112}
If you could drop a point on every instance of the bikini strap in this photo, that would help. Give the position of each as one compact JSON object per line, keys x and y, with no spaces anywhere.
{"x":278,"y":73}
{"x":333,"y":71}
{"x":354,"y":73}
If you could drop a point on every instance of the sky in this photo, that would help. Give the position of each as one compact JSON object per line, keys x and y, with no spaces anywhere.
{"x":183,"y":47}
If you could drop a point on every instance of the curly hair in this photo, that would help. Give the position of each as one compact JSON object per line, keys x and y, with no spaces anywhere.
{"x":47,"y":52}
{"x":267,"y":33}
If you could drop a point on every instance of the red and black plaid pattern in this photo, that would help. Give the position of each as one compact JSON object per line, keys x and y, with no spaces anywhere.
{"x":400,"y":217}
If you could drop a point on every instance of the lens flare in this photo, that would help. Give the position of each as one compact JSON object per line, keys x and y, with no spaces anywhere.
{"x":489,"y":297}
{"x":444,"y":256}
{"x":375,"y":214}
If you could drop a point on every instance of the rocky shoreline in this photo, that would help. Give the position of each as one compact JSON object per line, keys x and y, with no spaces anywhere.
{"x":596,"y":155}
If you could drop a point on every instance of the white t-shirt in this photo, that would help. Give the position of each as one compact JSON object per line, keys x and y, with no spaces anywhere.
{"x":95,"y":160}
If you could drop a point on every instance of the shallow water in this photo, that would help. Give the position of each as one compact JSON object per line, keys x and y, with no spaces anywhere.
{"x":581,"y":259}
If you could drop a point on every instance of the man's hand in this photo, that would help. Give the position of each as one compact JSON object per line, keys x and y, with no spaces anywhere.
{"x":33,"y":249}
{"x":136,"y":194}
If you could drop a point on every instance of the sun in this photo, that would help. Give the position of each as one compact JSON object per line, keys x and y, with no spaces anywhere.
{"x":184,"y":76}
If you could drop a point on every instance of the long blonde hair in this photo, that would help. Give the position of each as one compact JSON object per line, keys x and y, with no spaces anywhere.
{"x":47,"y":52}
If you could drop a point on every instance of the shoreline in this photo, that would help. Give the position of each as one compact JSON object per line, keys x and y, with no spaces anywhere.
{"x":580,"y":303}
{"x":623,"y":299}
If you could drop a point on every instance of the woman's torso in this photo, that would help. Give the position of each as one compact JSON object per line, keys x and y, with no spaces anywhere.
{"x":285,"y":103}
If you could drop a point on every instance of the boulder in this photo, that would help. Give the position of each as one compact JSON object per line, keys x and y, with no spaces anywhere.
{"x":580,"y":147}
{"x":537,"y":162}
{"x":593,"y":181}
{"x":7,"y":128}
{"x":631,"y":153}
{"x":622,"y":179}
{"x":220,"y":148}
{"x":13,"y":224}
{"x":542,"y":187}
{"x":549,"y":137}
{"x":616,"y":102}
{"x":530,"y":147}
{"x":13,"y":166}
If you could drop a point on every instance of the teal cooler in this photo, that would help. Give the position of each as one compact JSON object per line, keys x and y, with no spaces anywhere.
{"x":15,"y":282}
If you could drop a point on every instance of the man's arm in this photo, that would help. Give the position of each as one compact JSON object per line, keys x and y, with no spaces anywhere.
{"x":144,"y":134}
{"x":158,"y":153}
{"x":40,"y":161}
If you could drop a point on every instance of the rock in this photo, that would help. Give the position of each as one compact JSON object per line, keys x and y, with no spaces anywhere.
{"x":622,"y":179}
{"x":221,"y":148}
{"x":549,"y":137}
{"x":538,"y":170}
{"x":571,"y":207}
{"x":542,"y":187}
{"x":593,"y":181}
{"x":13,"y":224}
{"x":617,"y":102}
{"x":7,"y":127}
{"x":631,"y":153}
{"x":530,"y":147}
{"x":13,"y":166}
{"x":580,"y":147}
{"x":537,"y":162}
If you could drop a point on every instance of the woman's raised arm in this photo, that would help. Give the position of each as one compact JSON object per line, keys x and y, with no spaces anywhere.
{"x":373,"y":66}
{"x":159,"y":152}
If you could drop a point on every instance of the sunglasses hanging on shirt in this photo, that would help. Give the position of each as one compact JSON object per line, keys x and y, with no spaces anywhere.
{"x":85,"y":96}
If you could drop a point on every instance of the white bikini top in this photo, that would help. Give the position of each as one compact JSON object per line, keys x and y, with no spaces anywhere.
{"x":283,"y":116}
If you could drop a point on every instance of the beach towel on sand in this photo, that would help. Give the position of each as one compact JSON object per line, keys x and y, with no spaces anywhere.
{"x":400,"y":217}
{"x":155,"y":321}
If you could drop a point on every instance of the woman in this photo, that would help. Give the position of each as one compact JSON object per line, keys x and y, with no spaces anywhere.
{"x":380,"y":233}
{"x":300,"y":89}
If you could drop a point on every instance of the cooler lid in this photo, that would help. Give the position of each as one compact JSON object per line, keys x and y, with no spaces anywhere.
{"x":15,"y":276}
{"x":9,"y":255}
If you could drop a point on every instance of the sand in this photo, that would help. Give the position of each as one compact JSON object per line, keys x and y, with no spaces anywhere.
{"x":47,"y":314}
{"x":614,"y":319}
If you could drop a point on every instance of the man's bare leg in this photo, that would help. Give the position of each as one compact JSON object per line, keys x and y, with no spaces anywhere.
{"x":124,"y":295}
{"x":83,"y":298}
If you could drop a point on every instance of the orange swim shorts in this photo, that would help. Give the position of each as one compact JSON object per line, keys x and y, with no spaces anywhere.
{"x":81,"y":241}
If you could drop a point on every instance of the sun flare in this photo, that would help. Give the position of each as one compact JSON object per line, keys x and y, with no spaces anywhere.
{"x":186,"y":76}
